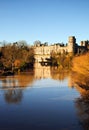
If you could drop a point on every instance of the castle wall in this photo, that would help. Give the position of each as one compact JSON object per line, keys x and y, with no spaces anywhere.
{"x":44,"y":52}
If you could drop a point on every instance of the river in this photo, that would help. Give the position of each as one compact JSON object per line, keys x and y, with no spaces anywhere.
{"x":42,"y":100}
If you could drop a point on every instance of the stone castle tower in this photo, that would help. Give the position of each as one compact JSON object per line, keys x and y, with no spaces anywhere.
{"x":71,"y":44}
{"x":43,"y":52}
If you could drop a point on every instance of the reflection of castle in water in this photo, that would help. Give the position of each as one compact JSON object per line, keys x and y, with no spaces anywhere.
{"x":14,"y":85}
{"x":41,"y":71}
{"x":50,"y":72}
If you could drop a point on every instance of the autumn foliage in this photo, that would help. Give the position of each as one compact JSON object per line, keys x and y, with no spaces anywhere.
{"x":16,"y":56}
{"x":63,"y":61}
{"x":81,"y":69}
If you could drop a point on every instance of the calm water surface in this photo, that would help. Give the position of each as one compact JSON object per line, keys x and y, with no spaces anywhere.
{"x":40,"y":101}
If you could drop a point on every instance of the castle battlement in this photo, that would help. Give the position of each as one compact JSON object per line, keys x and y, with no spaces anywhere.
{"x":44,"y":51}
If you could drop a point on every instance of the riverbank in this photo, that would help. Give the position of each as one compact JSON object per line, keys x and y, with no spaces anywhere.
{"x":7,"y":73}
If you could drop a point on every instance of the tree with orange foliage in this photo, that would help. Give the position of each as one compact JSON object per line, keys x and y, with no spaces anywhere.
{"x":81,"y":69}
{"x":16,"y":54}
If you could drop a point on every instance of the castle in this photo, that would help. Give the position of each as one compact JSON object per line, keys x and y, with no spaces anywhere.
{"x":42,"y":52}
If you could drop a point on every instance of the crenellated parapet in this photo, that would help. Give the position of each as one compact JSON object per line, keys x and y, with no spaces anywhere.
{"x":43,"y":52}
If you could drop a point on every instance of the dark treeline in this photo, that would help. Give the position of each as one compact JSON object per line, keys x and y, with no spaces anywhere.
{"x":16,"y":56}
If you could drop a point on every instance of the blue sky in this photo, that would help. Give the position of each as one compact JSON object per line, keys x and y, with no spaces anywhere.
{"x":45,"y":20}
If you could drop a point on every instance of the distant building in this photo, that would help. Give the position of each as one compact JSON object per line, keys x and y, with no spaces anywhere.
{"x":43,"y":51}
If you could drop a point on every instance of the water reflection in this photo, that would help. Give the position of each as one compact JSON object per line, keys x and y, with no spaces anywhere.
{"x":19,"y":81}
{"x":13,"y":95}
{"x":82,"y":105}
{"x":43,"y":104}
{"x":56,"y":75}
{"x":42,"y":71}
{"x":14,"y":86}
{"x":48,"y":72}
{"x":82,"y":102}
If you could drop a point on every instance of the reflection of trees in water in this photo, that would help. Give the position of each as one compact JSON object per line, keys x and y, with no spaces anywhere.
{"x":9,"y":82}
{"x":82,"y":105}
{"x":81,"y":83}
{"x":13,"y":86}
{"x":13,"y":95}
{"x":18,"y":81}
{"x":55,"y":74}
{"x":49,"y":72}
{"x":25,"y":79}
